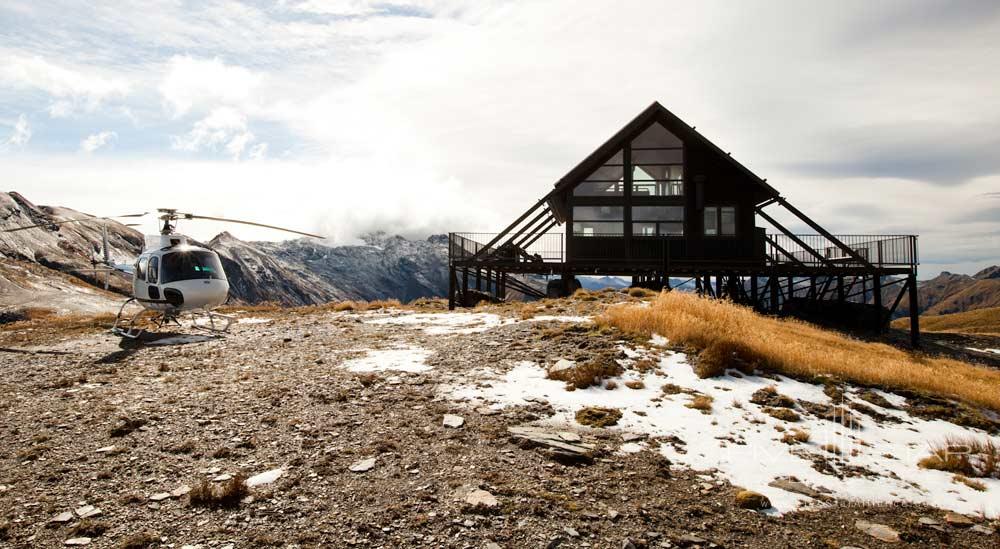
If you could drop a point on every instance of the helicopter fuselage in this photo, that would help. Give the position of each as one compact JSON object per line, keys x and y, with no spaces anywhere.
{"x":179,"y":277}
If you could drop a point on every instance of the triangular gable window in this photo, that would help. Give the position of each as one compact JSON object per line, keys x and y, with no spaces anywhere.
{"x":608,"y":180}
{"x":657,"y":163}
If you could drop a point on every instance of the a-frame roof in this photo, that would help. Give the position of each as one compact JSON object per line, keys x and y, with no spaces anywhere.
{"x":655,"y":112}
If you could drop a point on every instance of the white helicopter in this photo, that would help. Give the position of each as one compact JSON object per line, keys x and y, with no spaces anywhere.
{"x":171,"y":277}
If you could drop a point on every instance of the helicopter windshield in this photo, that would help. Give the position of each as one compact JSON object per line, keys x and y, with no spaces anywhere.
{"x":190,"y":265}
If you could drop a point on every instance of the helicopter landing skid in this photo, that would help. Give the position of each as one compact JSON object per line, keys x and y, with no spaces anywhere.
{"x":129,"y":327}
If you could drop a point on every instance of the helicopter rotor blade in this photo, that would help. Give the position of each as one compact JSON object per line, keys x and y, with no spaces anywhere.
{"x":192,"y":216}
{"x":65,"y":221}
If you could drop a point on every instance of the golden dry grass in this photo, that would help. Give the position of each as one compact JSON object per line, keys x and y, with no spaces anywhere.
{"x":978,"y":322}
{"x":967,"y":457}
{"x":800,"y":349}
{"x":641,"y":292}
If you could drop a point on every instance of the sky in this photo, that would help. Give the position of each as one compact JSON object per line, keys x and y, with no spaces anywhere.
{"x":428,"y":116}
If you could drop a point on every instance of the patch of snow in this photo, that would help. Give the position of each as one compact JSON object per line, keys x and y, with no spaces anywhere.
{"x":406,"y":359}
{"x":741,"y":441}
{"x":995,"y":351}
{"x":561,"y":318}
{"x":445,"y":323}
{"x":253,"y":320}
{"x":659,"y":341}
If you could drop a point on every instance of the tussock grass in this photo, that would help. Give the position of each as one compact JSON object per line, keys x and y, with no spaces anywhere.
{"x":591,"y":372}
{"x":597,"y":416}
{"x":226,"y":494}
{"x":800,"y":349}
{"x":968,"y":457}
{"x":641,"y":292}
{"x":796,"y":436}
{"x":702,"y":403}
{"x":979,"y":321}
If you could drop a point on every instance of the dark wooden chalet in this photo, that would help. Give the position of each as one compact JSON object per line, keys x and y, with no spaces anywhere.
{"x":659,"y":200}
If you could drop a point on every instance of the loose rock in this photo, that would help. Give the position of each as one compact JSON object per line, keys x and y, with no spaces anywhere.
{"x":363,"y":465}
{"x":747,"y":499}
{"x":453,"y":421}
{"x":880,"y":532}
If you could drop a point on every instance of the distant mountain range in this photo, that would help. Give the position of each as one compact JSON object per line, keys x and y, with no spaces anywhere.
{"x":303,"y":272}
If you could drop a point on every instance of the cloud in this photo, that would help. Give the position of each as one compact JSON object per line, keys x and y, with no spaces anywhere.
{"x":200,"y":84}
{"x":72,"y":89}
{"x":224,"y":128}
{"x":95,"y":141}
{"x":19,"y":137}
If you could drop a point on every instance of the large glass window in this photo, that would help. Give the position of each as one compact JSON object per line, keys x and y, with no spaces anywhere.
{"x":598,"y":220}
{"x":657,"y":163}
{"x":191,"y":265}
{"x":140,"y":268}
{"x":657,"y":220}
{"x":720,"y":221}
{"x":608,"y":180}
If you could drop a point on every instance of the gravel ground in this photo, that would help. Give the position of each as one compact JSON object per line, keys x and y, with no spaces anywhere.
{"x":88,"y":421}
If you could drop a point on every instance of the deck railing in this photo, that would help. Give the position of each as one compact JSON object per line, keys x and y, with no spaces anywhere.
{"x":811,"y":250}
{"x":816,"y":250}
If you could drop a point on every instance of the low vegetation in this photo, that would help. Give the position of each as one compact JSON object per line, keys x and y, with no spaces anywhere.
{"x":219,"y":494}
{"x":641,"y":292}
{"x":976,"y":322}
{"x":596,"y":416}
{"x":802,"y":350}
{"x":796,"y":436}
{"x":969,"y":457}
{"x":702,"y":403}
{"x":593,"y":371}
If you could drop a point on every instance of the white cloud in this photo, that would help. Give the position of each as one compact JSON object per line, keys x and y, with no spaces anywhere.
{"x":71,"y":89}
{"x":19,"y":137}
{"x":202,"y":84}
{"x":258,"y":152}
{"x":95,"y":141}
{"x":224,"y":127}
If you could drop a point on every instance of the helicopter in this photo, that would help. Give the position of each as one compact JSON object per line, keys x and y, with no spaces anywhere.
{"x":171,"y":277}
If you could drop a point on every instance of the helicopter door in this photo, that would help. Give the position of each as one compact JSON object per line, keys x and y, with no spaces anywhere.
{"x":139,"y":286}
{"x":153,"y":277}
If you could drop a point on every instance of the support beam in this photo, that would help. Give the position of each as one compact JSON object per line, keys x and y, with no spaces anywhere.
{"x":877,"y":294}
{"x":773,"y":282}
{"x":816,"y":227}
{"x":784,"y":251}
{"x":914,"y":313}
{"x":794,"y":238}
{"x":451,"y":288}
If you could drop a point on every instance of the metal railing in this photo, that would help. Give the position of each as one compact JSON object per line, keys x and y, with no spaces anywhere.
{"x":779,"y":249}
{"x":515,"y":247}
{"x":817,"y":250}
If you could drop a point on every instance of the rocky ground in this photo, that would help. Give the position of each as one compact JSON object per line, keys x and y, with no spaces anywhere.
{"x":134,"y":445}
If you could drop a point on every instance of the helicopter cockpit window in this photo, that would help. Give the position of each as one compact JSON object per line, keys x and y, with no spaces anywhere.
{"x":140,"y":268}
{"x":191,"y":265}
{"x":154,"y":270}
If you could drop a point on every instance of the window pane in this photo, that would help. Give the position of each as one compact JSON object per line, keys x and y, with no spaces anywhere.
{"x":657,"y":156}
{"x":154,"y":270}
{"x":590,"y":188}
{"x":598,"y":228}
{"x":598,"y":213}
{"x":656,"y":136}
{"x":728,"y":216}
{"x":140,"y":271}
{"x":671,"y":229}
{"x":658,"y":213}
{"x":191,"y":266}
{"x":646,"y":172}
{"x":711,"y":221}
{"x":644,"y":229}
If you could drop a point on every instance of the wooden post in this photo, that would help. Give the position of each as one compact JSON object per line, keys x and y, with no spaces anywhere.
{"x":718,"y":286}
{"x":877,"y":294}
{"x":503,"y":285}
{"x":697,"y":286}
{"x":774,"y":294}
{"x":479,"y":279}
{"x":753,"y":290}
{"x":840,"y":288}
{"x":914,"y":312}
{"x":451,"y":288}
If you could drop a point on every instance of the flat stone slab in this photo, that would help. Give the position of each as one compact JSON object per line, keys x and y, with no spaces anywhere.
{"x":267,"y":477}
{"x":550,"y":439}
{"x":880,"y":532}
{"x":363,"y":465}
{"x":453,"y":421}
